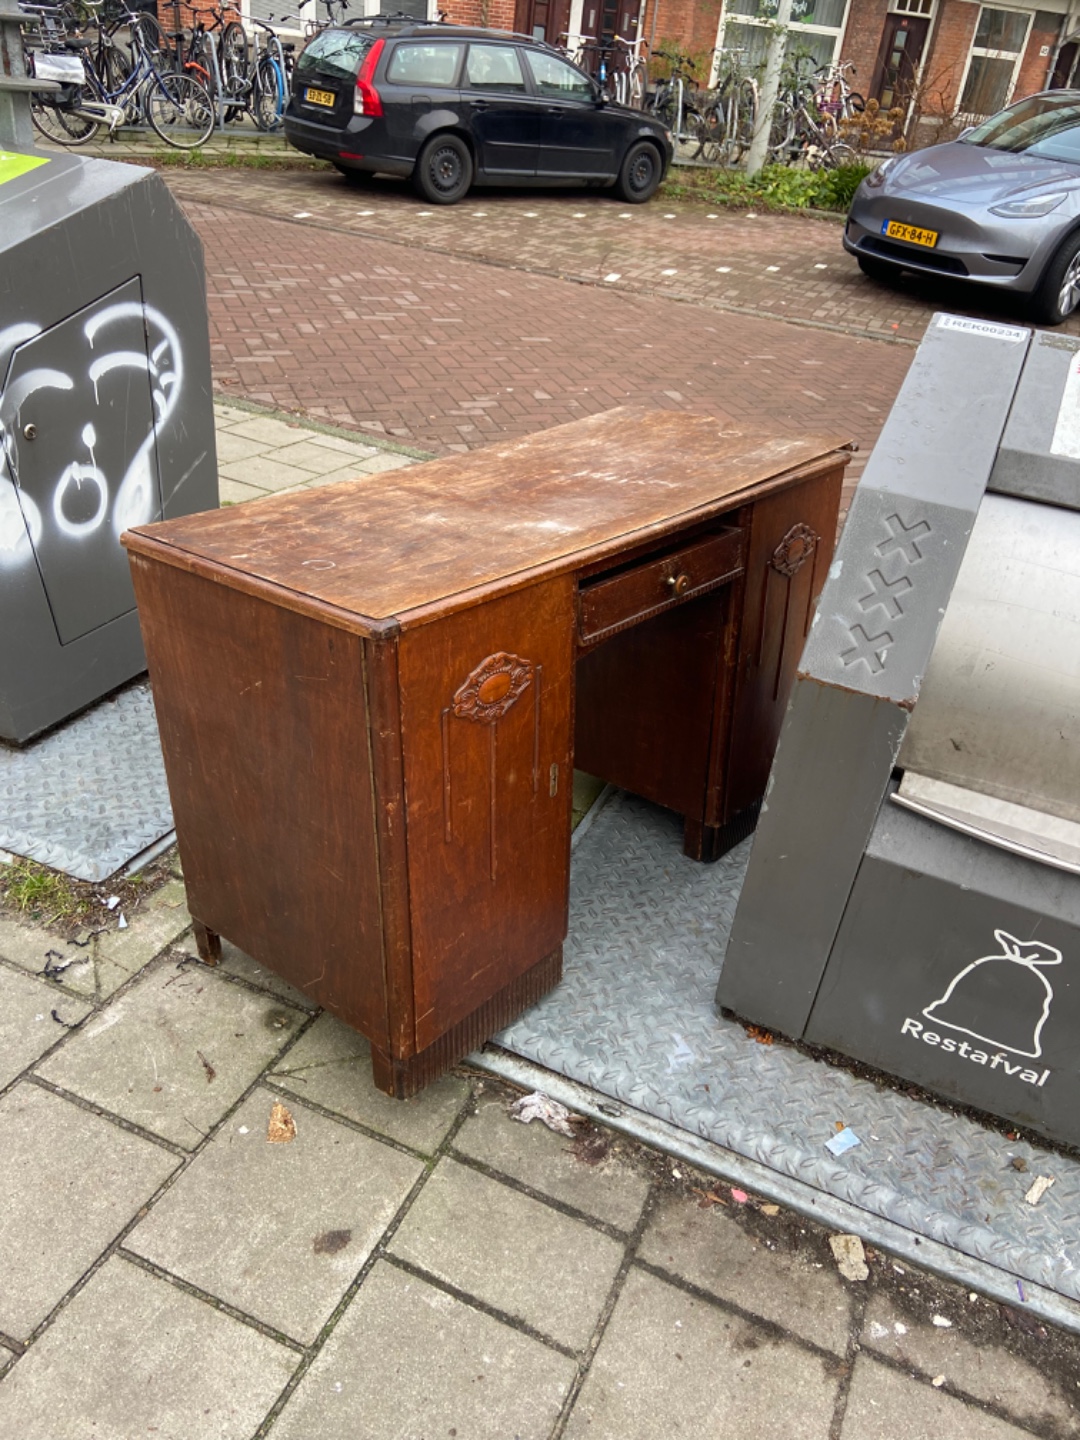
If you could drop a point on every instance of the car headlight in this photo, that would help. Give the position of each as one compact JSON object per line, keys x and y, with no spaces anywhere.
{"x":1030,"y":209}
{"x":877,"y":177}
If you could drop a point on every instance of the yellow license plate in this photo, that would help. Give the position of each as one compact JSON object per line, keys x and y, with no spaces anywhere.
{"x":320,"y":97}
{"x":913,"y":234}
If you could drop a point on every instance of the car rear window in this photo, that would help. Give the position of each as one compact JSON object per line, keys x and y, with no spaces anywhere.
{"x":1046,"y":126}
{"x":424,"y":64}
{"x":338,"y":53}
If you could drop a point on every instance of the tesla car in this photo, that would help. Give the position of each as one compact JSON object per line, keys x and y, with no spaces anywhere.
{"x":1000,"y":206}
{"x":452,"y":107}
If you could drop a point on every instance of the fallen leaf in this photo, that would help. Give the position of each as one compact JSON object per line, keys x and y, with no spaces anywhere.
{"x":282,"y":1127}
{"x":210,"y":1071}
{"x":756,"y":1032}
{"x":770,"y":1209}
{"x":709,"y":1198}
{"x":331,"y":1241}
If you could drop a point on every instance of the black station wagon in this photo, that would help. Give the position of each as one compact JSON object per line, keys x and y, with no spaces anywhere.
{"x":454,"y":107}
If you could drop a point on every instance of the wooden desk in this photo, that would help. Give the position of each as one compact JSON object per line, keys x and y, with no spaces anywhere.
{"x":366,"y":696}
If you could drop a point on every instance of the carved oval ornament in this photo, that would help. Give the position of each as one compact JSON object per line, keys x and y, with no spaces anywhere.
{"x":794,"y":550}
{"x":492,"y":688}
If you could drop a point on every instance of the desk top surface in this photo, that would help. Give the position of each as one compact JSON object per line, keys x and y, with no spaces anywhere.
{"x":387,"y":546}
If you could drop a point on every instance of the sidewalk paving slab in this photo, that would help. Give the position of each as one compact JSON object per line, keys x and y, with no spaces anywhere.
{"x":133,"y":1357}
{"x":69,"y":1183}
{"x":278,"y":1230}
{"x":592,"y":1175}
{"x":707,"y":1248}
{"x":884,"y":1405}
{"x":410,"y":1362}
{"x":27,"y":1027}
{"x":175,"y":1051}
{"x":672,"y":1365}
{"x":242,"y":967}
{"x":975,"y":1366}
{"x":330,"y":1065}
{"x":511,"y":1251}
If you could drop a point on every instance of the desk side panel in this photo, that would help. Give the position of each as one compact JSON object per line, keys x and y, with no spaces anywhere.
{"x":264,"y":728}
{"x":486,"y":723}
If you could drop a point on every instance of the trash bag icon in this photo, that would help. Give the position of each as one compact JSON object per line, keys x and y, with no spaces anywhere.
{"x":1002,"y":999}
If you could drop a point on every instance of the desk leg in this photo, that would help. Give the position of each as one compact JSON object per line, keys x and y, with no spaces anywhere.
{"x":709,"y":842}
{"x":208,"y":943}
{"x":404,"y":1078}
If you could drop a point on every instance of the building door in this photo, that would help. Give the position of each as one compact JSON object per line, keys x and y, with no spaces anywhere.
{"x":902,"y":43}
{"x":542,"y":19}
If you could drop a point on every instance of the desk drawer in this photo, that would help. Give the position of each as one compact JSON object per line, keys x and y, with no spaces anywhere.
{"x":607,"y":606}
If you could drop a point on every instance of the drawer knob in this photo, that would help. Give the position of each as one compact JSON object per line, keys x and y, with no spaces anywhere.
{"x":679,"y":583}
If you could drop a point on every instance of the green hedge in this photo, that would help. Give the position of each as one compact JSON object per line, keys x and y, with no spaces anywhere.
{"x":777,"y":185}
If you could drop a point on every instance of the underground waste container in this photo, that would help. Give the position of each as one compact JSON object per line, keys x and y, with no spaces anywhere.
{"x":913,"y":893}
{"x":106,"y":417}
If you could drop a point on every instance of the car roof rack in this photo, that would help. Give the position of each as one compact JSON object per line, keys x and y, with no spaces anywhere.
{"x":418,"y":25}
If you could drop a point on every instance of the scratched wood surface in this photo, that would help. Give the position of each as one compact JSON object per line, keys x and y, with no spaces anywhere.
{"x":388,"y":545}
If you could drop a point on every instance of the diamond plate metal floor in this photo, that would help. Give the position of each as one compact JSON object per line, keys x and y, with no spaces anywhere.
{"x":91,"y":795}
{"x":635,"y":1019}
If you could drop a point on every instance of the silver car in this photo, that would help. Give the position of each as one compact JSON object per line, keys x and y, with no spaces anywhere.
{"x":1000,"y":206}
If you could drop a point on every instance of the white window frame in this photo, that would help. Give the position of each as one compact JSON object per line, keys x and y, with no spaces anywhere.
{"x":794,"y":28}
{"x":982,"y":52}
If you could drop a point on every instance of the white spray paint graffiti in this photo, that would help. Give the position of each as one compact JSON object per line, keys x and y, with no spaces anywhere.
{"x":132,"y":494}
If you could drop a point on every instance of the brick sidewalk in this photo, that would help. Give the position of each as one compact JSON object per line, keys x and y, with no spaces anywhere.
{"x":449,"y":353}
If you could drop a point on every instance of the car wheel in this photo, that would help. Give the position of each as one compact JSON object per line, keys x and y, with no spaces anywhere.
{"x":1058,"y":294}
{"x":879,"y":270}
{"x":444,"y":170}
{"x":640,"y":174}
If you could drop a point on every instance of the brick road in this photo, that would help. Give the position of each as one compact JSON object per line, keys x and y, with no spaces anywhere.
{"x":449,"y":352}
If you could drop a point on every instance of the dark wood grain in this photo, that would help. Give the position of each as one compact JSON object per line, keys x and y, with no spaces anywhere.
{"x":392,"y":544}
{"x":264,"y":728}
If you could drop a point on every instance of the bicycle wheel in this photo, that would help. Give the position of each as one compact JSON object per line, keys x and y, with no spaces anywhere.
{"x":63,"y":127}
{"x":744,"y":120}
{"x":179,"y":110}
{"x":234,"y":58}
{"x":268,"y":96}
{"x":712,"y":136}
{"x":782,"y":134}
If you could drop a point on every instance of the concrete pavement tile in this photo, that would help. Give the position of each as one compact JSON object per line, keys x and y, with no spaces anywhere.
{"x":612,"y":1189}
{"x":6,"y":1357}
{"x":119,"y":954}
{"x":355,"y":448}
{"x":231,"y":492}
{"x":387,"y":460}
{"x":69,"y":1183}
{"x":235,"y":962}
{"x":407,"y":1360}
{"x":133,"y":1356}
{"x":986,"y":1371}
{"x":271,"y":432}
{"x":263,"y":471}
{"x":308,"y":455}
{"x":231,"y":446}
{"x":331,"y":1065}
{"x":227,"y":415}
{"x":512,"y":1252}
{"x":710,"y":1249}
{"x":673,"y":1365}
{"x":278,"y":1230}
{"x":885,"y":1405}
{"x":175,"y":1052}
{"x":27,"y":1028}
{"x":26,"y":945}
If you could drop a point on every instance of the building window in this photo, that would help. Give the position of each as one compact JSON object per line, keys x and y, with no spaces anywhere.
{"x":996,"y":52}
{"x":816,"y":29}
{"x":913,"y":7}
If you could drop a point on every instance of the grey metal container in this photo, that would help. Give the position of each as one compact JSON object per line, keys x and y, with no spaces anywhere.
{"x":913,"y":895}
{"x":106,"y":418}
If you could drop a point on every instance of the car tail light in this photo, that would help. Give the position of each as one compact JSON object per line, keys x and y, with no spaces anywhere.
{"x":366,"y":101}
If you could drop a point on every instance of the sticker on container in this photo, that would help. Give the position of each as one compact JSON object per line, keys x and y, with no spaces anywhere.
{"x":981,"y":327}
{"x":1066,"y":439}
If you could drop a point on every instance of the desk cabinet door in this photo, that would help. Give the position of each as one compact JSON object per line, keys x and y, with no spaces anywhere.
{"x":486,"y":705}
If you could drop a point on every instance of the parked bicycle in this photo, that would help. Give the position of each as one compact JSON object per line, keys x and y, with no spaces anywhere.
{"x":676,"y":100}
{"x":176,"y":106}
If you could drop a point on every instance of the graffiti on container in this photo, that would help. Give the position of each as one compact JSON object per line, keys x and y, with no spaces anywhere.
{"x":81,"y":415}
